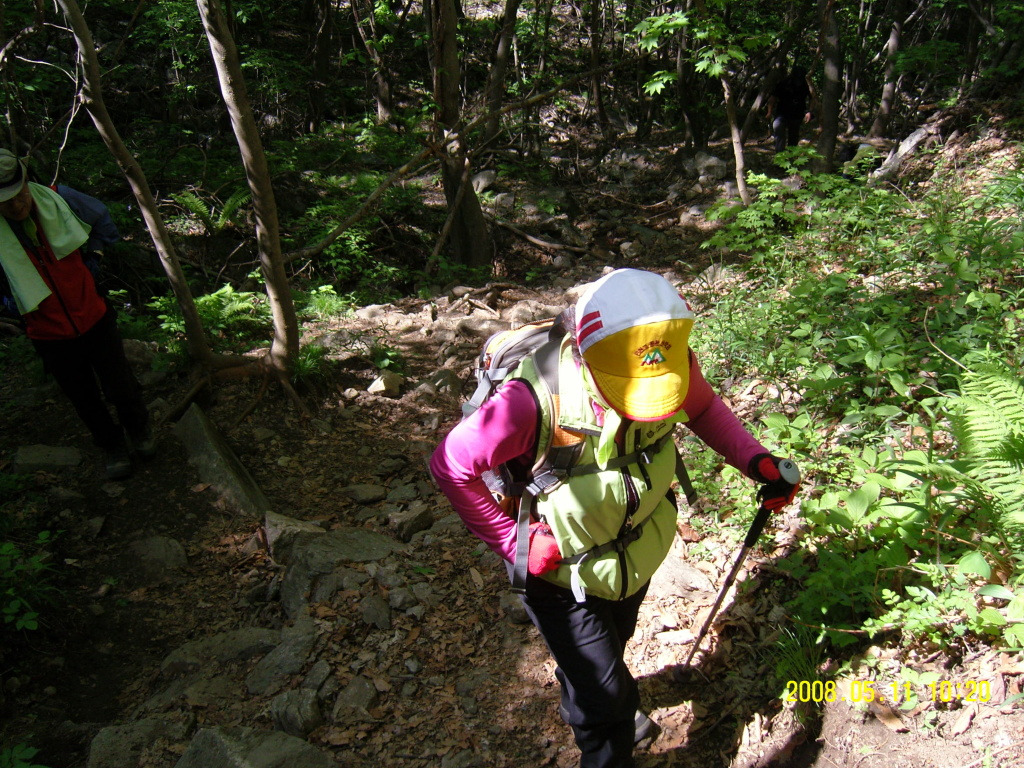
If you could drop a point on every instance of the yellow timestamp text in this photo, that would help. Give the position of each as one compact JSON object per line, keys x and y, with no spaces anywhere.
{"x":866,"y":691}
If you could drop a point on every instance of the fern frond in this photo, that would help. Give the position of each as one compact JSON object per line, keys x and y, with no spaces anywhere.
{"x":989,"y":412}
{"x":195,"y":205}
{"x":236,"y":201}
{"x":988,"y":422}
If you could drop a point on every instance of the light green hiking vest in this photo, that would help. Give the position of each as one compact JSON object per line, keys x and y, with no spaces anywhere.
{"x":609,"y":503}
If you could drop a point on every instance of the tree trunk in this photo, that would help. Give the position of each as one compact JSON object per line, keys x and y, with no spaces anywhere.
{"x":832,"y":89}
{"x":881,"y":124}
{"x":285,"y":346}
{"x":92,"y":97}
{"x":495,"y":90}
{"x":737,"y":141}
{"x":594,"y":21}
{"x":323,"y":49}
{"x":381,"y":83}
{"x":470,"y":238}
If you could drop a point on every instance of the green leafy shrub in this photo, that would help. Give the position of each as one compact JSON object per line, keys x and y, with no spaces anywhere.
{"x":19,"y":756}
{"x":311,"y":365}
{"x":213,"y":221}
{"x":235,"y":317}
{"x":24,"y":585}
{"x":323,"y":303}
{"x":988,"y":422}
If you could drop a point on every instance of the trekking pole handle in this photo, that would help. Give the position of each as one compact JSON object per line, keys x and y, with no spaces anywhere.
{"x":791,"y":475}
{"x":789,"y":471}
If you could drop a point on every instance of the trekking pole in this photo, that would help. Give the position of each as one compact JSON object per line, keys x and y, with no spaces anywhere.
{"x":790,"y":474}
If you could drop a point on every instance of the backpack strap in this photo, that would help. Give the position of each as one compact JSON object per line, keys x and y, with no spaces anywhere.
{"x":684,"y":480}
{"x":491,"y":377}
{"x":546,"y":362}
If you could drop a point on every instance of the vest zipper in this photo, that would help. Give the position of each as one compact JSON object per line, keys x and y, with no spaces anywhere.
{"x":641,"y":464}
{"x":632,"y":505}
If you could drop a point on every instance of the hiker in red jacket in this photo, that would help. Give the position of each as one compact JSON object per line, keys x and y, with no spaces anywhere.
{"x":48,"y":238}
{"x":626,"y":377}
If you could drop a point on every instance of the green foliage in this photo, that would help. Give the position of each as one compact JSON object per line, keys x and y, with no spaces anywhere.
{"x":866,"y":305}
{"x":24,"y":568}
{"x":988,"y":422}
{"x":386,"y":357}
{"x":234,"y":317}
{"x":311,"y":365}
{"x":323,"y":303}
{"x":19,"y":756}
{"x":213,"y":222}
{"x":798,"y":655}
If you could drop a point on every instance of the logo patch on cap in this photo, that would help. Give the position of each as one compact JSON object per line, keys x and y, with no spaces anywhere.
{"x":653,"y":357}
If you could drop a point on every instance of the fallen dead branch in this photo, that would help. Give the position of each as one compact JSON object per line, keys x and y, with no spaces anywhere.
{"x":537,"y":241}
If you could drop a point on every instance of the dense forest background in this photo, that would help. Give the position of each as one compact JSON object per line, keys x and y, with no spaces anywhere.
{"x":277,"y":169}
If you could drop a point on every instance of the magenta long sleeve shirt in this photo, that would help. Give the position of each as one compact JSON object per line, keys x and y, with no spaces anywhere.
{"x":505,"y":428}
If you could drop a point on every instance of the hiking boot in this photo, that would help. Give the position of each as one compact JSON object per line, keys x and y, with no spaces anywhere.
{"x":143,"y":446}
{"x":118,"y":464}
{"x":645,"y":730}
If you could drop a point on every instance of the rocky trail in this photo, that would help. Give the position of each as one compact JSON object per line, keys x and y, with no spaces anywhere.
{"x":279,"y":591}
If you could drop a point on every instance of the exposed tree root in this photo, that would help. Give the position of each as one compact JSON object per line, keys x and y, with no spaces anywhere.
{"x":230,"y":367}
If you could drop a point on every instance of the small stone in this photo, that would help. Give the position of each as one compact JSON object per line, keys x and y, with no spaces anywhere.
{"x":388,"y":384}
{"x":513,"y":608}
{"x":401,"y":599}
{"x":296,"y":712}
{"x":365,"y":493}
{"x":157,"y":557}
{"x":376,"y":612}
{"x":355,"y":700}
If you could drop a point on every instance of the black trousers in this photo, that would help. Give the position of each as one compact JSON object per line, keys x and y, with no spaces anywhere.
{"x":93,"y":367}
{"x":587,"y":640}
{"x":786,"y":129}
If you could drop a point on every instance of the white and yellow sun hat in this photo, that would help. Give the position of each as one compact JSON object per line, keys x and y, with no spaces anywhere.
{"x":633,"y":332}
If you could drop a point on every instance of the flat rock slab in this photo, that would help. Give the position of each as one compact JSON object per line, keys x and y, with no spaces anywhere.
{"x":248,"y":748}
{"x":218,"y":465}
{"x":676,"y":578}
{"x":157,"y":557}
{"x":322,"y":552}
{"x":223,"y":648}
{"x":313,"y":555}
{"x":46,"y":458}
{"x":117,"y":746}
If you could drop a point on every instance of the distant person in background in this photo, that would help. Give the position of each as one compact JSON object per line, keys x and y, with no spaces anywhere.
{"x":788,"y":108}
{"x":50,"y":244}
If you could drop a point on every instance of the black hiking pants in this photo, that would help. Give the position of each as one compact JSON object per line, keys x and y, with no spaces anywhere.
{"x":786,"y":130}
{"x":93,"y":367}
{"x":587,"y":640}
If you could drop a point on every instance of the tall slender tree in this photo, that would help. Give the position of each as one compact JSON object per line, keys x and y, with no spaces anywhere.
{"x":832,"y":86}
{"x":494,"y":93}
{"x":285,"y":345}
{"x":892,"y":47}
{"x":92,"y":98}
{"x":470,"y":237}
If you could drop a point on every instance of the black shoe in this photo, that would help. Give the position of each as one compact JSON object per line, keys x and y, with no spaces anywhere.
{"x":118,"y":464}
{"x":143,"y":446}
{"x":645,"y":730}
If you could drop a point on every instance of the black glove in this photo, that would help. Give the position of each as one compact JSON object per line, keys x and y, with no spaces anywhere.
{"x":780,"y":478}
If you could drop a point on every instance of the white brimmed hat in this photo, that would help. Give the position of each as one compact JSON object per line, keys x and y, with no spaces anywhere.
{"x":633,"y":331}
